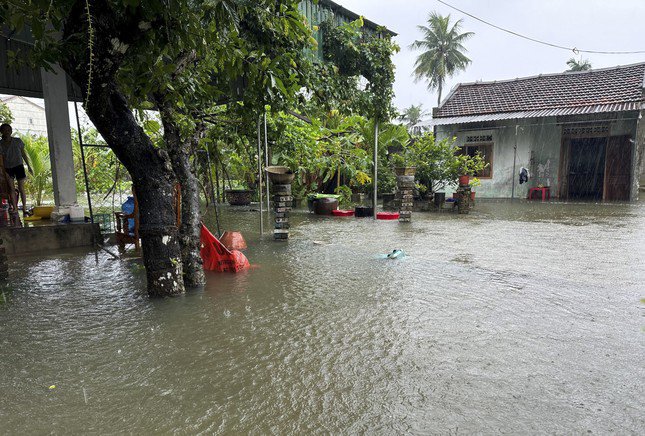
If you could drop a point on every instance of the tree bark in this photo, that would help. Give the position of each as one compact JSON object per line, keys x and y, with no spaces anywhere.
{"x":149,"y":167}
{"x":189,"y":230}
{"x":153,"y":181}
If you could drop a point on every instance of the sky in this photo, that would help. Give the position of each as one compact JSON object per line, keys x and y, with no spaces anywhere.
{"x":608,"y":25}
{"x":603,"y":25}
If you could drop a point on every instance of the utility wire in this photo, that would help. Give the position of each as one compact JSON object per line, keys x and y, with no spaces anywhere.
{"x":574,"y":49}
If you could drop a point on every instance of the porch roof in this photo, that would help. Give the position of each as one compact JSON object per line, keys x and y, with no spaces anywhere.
{"x":582,"y":110}
{"x":602,"y":90}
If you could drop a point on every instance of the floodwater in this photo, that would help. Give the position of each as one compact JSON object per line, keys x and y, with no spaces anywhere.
{"x":518,"y":318}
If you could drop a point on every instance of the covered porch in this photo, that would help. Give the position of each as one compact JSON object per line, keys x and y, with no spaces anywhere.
{"x":57,"y":90}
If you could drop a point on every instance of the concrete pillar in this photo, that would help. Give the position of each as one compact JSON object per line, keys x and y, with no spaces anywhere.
{"x":59,"y":135}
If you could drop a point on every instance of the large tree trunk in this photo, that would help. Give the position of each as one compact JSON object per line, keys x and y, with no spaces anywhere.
{"x":154,"y":182}
{"x":149,"y":167}
{"x":189,"y":230}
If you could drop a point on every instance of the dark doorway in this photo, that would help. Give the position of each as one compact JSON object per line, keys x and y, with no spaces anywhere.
{"x":618,"y":178}
{"x":587,"y":168}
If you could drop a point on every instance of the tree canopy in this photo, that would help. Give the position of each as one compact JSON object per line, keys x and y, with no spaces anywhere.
{"x":443,"y":51}
{"x":413,"y":115}
{"x":578,"y":64}
{"x":358,"y":74}
{"x":5,"y":114}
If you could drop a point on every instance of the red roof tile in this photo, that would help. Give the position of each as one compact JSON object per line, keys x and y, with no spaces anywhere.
{"x":564,"y":90}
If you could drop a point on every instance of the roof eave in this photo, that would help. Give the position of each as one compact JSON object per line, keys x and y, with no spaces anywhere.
{"x":353,"y":15}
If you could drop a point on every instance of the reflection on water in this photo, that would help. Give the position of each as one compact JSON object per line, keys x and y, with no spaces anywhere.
{"x":517,"y":318}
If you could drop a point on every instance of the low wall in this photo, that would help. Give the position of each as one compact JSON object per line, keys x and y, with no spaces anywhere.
{"x":49,"y":237}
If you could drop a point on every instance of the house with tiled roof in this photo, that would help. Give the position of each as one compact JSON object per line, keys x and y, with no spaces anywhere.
{"x":581,"y":134}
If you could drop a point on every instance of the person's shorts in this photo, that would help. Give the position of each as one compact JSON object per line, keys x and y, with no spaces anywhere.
{"x":17,"y":173}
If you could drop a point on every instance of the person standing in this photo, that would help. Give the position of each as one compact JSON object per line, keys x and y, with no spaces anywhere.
{"x":13,"y":153}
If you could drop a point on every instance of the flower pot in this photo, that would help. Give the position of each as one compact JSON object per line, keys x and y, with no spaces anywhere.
{"x":439,"y":199}
{"x":464,"y":180}
{"x":363,"y":211}
{"x":325,"y":206}
{"x":358,"y":198}
{"x":233,"y":240}
{"x":472,"y":196}
{"x":388,"y":201}
{"x":238,"y":197}
{"x":405,"y":171}
{"x":280,"y":175}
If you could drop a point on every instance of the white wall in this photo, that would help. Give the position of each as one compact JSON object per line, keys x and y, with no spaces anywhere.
{"x":19,"y":118}
{"x":28,"y":118}
{"x":538,"y":149}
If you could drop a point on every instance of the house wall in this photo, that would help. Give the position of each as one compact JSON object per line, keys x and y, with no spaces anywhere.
{"x":28,"y":118}
{"x":538,"y":149}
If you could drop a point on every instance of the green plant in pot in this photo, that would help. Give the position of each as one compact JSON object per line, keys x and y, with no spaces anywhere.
{"x":359,"y":185}
{"x":436,"y":162}
{"x":403,"y":164}
{"x":345,"y":199}
{"x":474,"y":182}
{"x":470,"y":166}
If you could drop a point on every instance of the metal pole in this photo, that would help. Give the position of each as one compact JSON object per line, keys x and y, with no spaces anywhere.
{"x":375,"y":166}
{"x":210,"y":176}
{"x":213,"y":198}
{"x":87,"y":182}
{"x":260,"y":176}
{"x":514,"y":159}
{"x":266,"y":161}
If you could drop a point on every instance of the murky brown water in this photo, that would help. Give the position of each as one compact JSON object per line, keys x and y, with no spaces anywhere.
{"x":520,"y":318}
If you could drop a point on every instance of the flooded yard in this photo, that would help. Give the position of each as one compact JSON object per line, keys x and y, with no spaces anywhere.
{"x":518,"y":318}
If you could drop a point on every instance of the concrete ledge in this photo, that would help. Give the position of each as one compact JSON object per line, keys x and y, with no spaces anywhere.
{"x":49,"y":237}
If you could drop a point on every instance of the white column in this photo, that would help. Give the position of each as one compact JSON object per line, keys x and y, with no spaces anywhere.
{"x":59,"y":136}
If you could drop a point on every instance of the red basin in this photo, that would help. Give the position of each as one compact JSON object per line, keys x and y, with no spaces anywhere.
{"x":340,"y":212}
{"x":387,"y":216}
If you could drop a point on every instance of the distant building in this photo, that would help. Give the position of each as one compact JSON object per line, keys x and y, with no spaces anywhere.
{"x":316,"y":12}
{"x":582,"y":134}
{"x":28,"y":117}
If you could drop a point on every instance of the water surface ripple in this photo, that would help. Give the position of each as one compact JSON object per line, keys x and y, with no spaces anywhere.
{"x":519,"y":318}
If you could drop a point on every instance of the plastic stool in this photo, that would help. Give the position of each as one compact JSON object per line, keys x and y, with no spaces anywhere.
{"x":546,"y":193}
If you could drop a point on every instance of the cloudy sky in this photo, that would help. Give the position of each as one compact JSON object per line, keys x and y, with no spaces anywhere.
{"x":602,"y":25}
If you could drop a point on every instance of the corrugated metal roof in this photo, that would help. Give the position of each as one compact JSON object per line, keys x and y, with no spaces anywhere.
{"x":24,"y":80}
{"x":583,"y":110}
{"x":353,"y":16}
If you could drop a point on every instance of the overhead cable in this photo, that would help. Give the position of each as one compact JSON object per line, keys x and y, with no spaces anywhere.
{"x":573,"y":49}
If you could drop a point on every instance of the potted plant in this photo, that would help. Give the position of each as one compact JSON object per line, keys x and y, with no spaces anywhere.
{"x":238,"y":197}
{"x":469,"y":166}
{"x":358,"y":184}
{"x":403,"y":165}
{"x":474,"y":182}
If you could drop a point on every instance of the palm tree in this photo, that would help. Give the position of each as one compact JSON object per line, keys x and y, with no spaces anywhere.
{"x":579,"y":65}
{"x":443,"y":51}
{"x":37,"y":150}
{"x":412,"y":116}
